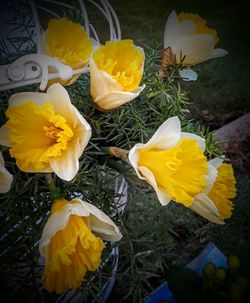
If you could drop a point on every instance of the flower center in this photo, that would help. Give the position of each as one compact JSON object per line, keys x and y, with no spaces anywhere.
{"x":68,"y":42}
{"x":179,"y":171}
{"x":37,"y":135}
{"x":71,"y":252}
{"x":200,"y":25}
{"x":51,"y":132}
{"x":224,"y":190}
{"x":121,"y":60}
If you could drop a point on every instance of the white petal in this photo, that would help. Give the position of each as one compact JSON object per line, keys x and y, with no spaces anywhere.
{"x":206,"y":208}
{"x":4,"y":136}
{"x":83,"y":131}
{"x":195,"y":48}
{"x":201,"y":142}
{"x":187,"y":74}
{"x":149,"y":177}
{"x":133,"y":157}
{"x":210,"y":178}
{"x":171,"y":33}
{"x":17,"y":99}
{"x":101,"y":83}
{"x":98,"y":219}
{"x":216,"y":162}
{"x":101,"y":224}
{"x":117,"y":98}
{"x":218,"y":52}
{"x":187,"y":27}
{"x":5,"y":177}
{"x":167,"y":135}
{"x":59,"y":97}
{"x":67,"y":166}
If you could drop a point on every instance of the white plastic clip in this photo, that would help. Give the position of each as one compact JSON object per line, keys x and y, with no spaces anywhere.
{"x":33,"y":68}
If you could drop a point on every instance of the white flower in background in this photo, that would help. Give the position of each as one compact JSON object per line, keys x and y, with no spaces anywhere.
{"x":172,"y":162}
{"x":5,"y":177}
{"x":191,"y":41}
{"x":45,"y":132}
{"x":116,"y":70}
{"x":214,"y":203}
{"x":72,"y":243}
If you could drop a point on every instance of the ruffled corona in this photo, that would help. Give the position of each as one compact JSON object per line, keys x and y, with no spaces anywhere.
{"x":172,"y":162}
{"x":116,"y":71}
{"x":68,"y":42}
{"x":191,"y":41}
{"x":72,"y":243}
{"x":5,"y":177}
{"x":201,"y":27}
{"x":45,"y":132}
{"x":214,"y":203}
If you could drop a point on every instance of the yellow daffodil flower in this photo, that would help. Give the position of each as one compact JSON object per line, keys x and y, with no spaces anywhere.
{"x":214,"y":203}
{"x":116,"y":71}
{"x":5,"y":177}
{"x":45,"y":132}
{"x":69,"y":43}
{"x":72,"y":243}
{"x":172,"y":162}
{"x":191,"y":40}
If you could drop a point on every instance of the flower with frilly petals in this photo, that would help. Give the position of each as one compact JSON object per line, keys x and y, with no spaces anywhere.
{"x":72,"y":243}
{"x":5,"y":177}
{"x":172,"y":162}
{"x":116,"y":71}
{"x":45,"y":132}
{"x":191,"y":40}
{"x":214,"y":203}
{"x":69,"y":43}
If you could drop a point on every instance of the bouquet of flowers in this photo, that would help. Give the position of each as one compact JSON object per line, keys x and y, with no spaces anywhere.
{"x":106,"y":115}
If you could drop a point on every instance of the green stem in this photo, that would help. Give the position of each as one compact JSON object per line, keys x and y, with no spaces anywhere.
{"x":55,"y":194}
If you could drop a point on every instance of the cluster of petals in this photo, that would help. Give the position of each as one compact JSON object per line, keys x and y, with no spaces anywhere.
{"x":72,"y":243}
{"x":191,"y":41}
{"x":173,"y":163}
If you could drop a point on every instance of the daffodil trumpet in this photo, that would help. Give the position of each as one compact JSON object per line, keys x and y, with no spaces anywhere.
{"x":215,"y":201}
{"x":45,"y":132}
{"x":172,"y":162}
{"x":116,"y":70}
{"x":191,"y":41}
{"x":6,"y":178}
{"x":72,"y":243}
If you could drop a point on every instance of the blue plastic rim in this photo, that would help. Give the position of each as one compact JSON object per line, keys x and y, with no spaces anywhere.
{"x":209,"y":254}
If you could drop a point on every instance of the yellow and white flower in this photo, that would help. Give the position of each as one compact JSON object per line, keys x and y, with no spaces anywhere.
{"x":191,"y":41}
{"x":5,"y":177}
{"x":172,"y":162}
{"x":214,"y":203}
{"x":45,"y":132}
{"x":72,"y":243}
{"x":69,"y":43}
{"x":116,"y":71}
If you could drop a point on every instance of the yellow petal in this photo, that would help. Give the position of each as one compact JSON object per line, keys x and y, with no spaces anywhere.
{"x":179,"y":171}
{"x":223,"y":190}
{"x":123,"y":61}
